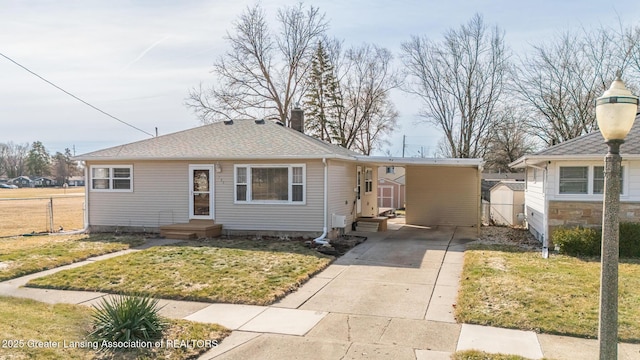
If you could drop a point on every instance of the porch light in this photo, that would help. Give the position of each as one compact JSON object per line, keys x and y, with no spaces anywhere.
{"x":615,"y":113}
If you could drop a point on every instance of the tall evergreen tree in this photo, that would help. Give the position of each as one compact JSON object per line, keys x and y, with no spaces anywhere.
{"x":323,"y":99}
{"x":38,"y":160}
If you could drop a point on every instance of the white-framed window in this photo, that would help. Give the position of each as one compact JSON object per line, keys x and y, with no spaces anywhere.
{"x":598,"y":179}
{"x":584,"y":180}
{"x":574,"y":180}
{"x":117,"y":178}
{"x":390,"y":170}
{"x":368,"y":180}
{"x":270,"y":184}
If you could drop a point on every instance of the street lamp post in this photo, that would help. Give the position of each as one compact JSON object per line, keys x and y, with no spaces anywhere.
{"x":615,"y":113}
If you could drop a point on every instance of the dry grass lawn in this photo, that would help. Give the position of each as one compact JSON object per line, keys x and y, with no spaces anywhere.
{"x":26,"y":210}
{"x":25,"y":255}
{"x":511,"y":287}
{"x":40,"y":322}
{"x":245,"y":271}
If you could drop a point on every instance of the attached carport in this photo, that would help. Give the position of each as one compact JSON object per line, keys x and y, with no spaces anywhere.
{"x":439,"y":191}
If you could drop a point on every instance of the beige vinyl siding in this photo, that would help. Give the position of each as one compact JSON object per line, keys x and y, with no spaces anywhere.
{"x":342,"y":197}
{"x":159,"y":197}
{"x":270,"y":217}
{"x":534,"y":198}
{"x":442,"y":195}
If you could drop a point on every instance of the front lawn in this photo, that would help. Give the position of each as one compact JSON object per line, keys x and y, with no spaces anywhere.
{"x":30,"y":329}
{"x":24,"y":255}
{"x":509,"y":287}
{"x":244,"y":271}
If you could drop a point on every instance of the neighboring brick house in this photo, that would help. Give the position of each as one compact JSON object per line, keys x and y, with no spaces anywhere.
{"x":564,"y":183}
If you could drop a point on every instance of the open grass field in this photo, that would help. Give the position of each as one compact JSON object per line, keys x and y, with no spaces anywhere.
{"x":507,"y":286}
{"x":245,"y":271}
{"x":25,"y":255}
{"x":26,"y":210}
{"x":39,"y":324}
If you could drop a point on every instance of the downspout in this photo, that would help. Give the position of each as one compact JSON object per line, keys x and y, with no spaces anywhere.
{"x":321,"y":240}
{"x":545,"y":218}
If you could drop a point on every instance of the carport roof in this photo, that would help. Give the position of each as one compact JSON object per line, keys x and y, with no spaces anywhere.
{"x":400,"y":161}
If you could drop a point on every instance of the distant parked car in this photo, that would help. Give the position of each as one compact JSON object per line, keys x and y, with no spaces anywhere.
{"x":8,"y":186}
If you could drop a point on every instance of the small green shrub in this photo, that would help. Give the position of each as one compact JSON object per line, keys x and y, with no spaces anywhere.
{"x":587,"y":241}
{"x":127,"y":319}
{"x":578,"y":241}
{"x":629,"y":239}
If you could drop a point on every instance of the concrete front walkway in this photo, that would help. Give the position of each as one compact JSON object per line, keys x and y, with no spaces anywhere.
{"x":391,"y":297}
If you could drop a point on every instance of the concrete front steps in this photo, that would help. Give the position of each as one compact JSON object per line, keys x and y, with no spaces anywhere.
{"x":194,"y":229}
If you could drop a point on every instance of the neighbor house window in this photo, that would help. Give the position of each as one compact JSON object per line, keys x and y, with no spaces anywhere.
{"x":112,"y":178}
{"x":368,"y":180}
{"x":574,"y":179}
{"x":390,"y":170}
{"x":598,"y":179}
{"x":270,"y":184}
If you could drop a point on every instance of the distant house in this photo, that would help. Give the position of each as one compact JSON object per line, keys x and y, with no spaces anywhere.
{"x":564,"y":183}
{"x":76,"y":181}
{"x":261,"y":177}
{"x":44,"y":181}
{"x":391,"y":187}
{"x":507,"y":203}
{"x":21,"y":181}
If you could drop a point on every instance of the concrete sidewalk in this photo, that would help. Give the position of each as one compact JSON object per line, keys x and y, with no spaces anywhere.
{"x":390,"y":297}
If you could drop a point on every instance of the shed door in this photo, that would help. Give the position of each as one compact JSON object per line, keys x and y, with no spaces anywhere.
{"x":201,"y":191}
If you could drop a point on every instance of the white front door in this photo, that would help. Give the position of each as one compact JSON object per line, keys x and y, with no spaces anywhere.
{"x":358,"y":190}
{"x":201,"y":180}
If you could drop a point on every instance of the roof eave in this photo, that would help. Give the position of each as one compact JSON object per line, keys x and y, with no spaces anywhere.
{"x":537,"y":159}
{"x":399,"y":161}
{"x":203,"y":158}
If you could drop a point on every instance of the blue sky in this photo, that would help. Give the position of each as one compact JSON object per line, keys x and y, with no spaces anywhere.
{"x":137,"y":59}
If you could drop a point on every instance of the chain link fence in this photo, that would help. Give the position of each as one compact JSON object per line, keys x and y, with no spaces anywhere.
{"x":41,"y":215}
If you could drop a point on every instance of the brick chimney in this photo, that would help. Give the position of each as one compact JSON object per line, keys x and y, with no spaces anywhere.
{"x":297,"y":119}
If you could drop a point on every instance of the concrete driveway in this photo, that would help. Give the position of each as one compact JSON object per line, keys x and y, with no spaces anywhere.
{"x":389,"y":297}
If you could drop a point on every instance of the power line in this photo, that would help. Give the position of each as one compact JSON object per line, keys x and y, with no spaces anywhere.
{"x":73,"y":96}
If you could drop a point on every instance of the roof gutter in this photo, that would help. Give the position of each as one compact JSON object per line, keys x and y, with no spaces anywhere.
{"x":213,"y":158}
{"x":399,"y":161}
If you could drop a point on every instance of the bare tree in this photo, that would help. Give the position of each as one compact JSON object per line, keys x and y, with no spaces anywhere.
{"x":509,"y":139}
{"x":367,"y":112}
{"x":560,"y":80}
{"x":263,"y":73}
{"x":460,"y":81}
{"x":13,"y":159}
{"x":349,"y":102}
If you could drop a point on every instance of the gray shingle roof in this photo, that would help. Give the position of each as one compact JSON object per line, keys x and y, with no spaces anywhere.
{"x":593,"y":144}
{"x":513,"y":185}
{"x":243,"y":139}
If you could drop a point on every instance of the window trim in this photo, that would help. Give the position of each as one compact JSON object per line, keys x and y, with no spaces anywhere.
{"x":624,"y":191}
{"x":111,"y":178}
{"x":587,"y":179}
{"x":368,"y":183}
{"x":290,"y":184}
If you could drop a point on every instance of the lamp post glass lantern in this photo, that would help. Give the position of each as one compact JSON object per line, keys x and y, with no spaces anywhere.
{"x":615,"y":112}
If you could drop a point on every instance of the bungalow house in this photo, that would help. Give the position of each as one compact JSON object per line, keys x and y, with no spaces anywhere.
{"x":76,"y":181}
{"x":257,"y":176}
{"x":44,"y":181}
{"x":564,"y":183}
{"x":21,"y":181}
